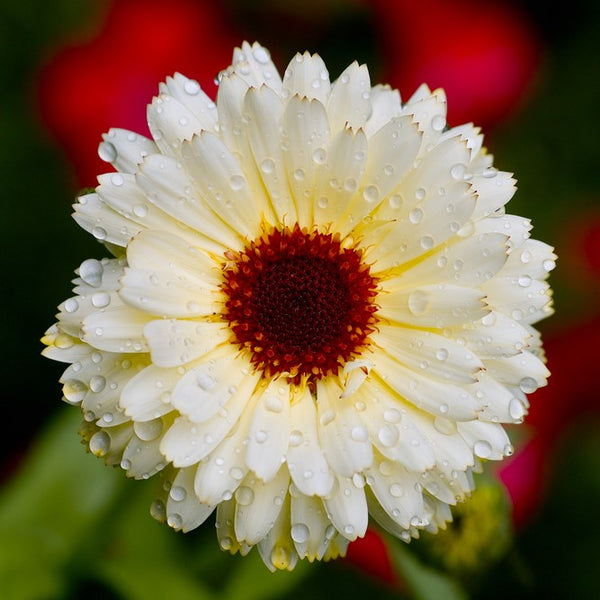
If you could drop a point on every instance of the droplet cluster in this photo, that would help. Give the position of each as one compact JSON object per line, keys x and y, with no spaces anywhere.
{"x":299,"y":302}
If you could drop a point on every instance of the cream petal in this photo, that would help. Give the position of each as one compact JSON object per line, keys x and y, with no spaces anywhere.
{"x":518,"y":297}
{"x":307,"y":77}
{"x":340,"y":177}
{"x":524,"y":370}
{"x":147,"y":395}
{"x":306,"y":461}
{"x":253,"y":64}
{"x":184,"y":512}
{"x":516,"y":228}
{"x":277,"y":548}
{"x":488,"y":440}
{"x":168,"y":187}
{"x":437,"y":356}
{"x":175,"y":342}
{"x":224,"y":525}
{"x":386,"y":106}
{"x":494,"y":189}
{"x":306,"y":137}
{"x":116,"y":329}
{"x":347,"y":507}
{"x":437,"y":398}
{"x":428,"y":109}
{"x":209,"y":387}
{"x":269,"y":433}
{"x":189,"y":94}
{"x":125,"y":150}
{"x":533,"y":259}
{"x":222,"y":184}
{"x":264,"y":111}
{"x":438,"y":306}
{"x":349,"y":102}
{"x":310,"y":530}
{"x":170,"y":123}
{"x":142,"y":458}
{"x":258,"y":505}
{"x":342,"y":434}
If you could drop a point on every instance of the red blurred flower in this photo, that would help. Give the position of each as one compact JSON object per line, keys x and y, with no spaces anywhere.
{"x":484,"y":54}
{"x":107,"y":82}
{"x":371,"y":556}
{"x":572,"y":392}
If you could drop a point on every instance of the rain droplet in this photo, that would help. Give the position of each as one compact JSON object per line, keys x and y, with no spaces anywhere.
{"x":117,"y":179}
{"x":371,"y":193}
{"x":175,"y":521}
{"x":261,"y":436}
{"x":236,"y":473}
{"x":441,"y":354}
{"x":444,"y":426}
{"x":396,"y":200}
{"x":458,"y":171}
{"x":100,"y":443}
{"x":548,"y":265}
{"x":140,"y":210}
{"x":427,"y":242}
{"x":97,"y":383}
{"x":99,"y":233}
{"x":418,"y":302}
{"x":267,"y":165}
{"x":323,"y":202}
{"x":91,"y":271}
{"x":319,"y":156}
{"x":438,"y":123}
{"x":396,"y":490}
{"x":392,"y":416}
{"x":482,"y":449}
{"x":516,"y":409}
{"x":191,"y":87}
{"x":415,"y":216}
{"x":178,"y":493}
{"x":71,"y":305}
{"x":274,"y":404}
{"x":244,"y":495}
{"x":524,"y":281}
{"x":359,"y":433}
{"x":296,"y":438}
{"x":158,"y":510}
{"x":237,"y":182}
{"x":388,"y":435}
{"x":148,"y":430}
{"x":205,"y":381}
{"x":261,"y":55}
{"x":528,"y":385}
{"x":420,"y":193}
{"x":101,"y":299}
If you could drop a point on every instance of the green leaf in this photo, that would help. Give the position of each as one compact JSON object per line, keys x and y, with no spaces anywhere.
{"x":49,"y":509}
{"x":424,"y":582}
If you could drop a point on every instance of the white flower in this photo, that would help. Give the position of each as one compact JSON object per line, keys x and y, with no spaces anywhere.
{"x":317,"y":308}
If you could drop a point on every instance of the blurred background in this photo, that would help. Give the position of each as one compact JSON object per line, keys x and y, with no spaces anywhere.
{"x":527,"y":72}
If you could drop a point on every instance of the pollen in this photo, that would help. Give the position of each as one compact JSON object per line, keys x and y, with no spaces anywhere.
{"x":299,"y":303}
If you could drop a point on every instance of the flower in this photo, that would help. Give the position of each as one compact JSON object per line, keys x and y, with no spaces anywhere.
{"x":317,"y":308}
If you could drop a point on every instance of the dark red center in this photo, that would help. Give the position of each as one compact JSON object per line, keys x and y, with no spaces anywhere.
{"x":299,"y":303}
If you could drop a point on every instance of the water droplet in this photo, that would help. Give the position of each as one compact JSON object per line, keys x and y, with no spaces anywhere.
{"x":100,"y":444}
{"x":205,"y":381}
{"x":371,"y":193}
{"x":107,"y":152}
{"x":388,"y":435}
{"x":117,"y":179}
{"x":427,"y":242}
{"x":441,"y":354}
{"x":191,"y":87}
{"x":101,"y":299}
{"x":418,"y":302}
{"x":420,"y":193}
{"x":516,"y":409}
{"x":261,"y":436}
{"x":308,"y":474}
{"x":74,"y":391}
{"x":158,"y":510}
{"x":548,"y":265}
{"x":482,"y":449}
{"x":99,"y":233}
{"x":358,"y":480}
{"x":71,"y":305}
{"x":236,"y":473}
{"x":261,"y":55}
{"x":508,"y":450}
{"x":490,"y":173}
{"x":359,"y":433}
{"x":458,"y":171}
{"x":319,"y":156}
{"x":327,"y":417}
{"x":140,"y":210}
{"x":178,"y":493}
{"x":237,"y":182}
{"x":299,"y":174}
{"x":91,"y":271}
{"x":97,"y":383}
{"x":267,"y":165}
{"x":350,"y":184}
{"x":175,"y":521}
{"x":296,"y":438}
{"x":528,"y":385}
{"x":524,"y":281}
{"x":396,"y":490}
{"x":392,"y":416}
{"x":244,"y":495}
{"x":444,"y":426}
{"x":438,"y":123}
{"x":274,"y":404}
{"x":415,"y":216}
{"x":323,"y":202}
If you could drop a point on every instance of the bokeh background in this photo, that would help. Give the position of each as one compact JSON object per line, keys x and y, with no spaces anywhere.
{"x":527,"y":72}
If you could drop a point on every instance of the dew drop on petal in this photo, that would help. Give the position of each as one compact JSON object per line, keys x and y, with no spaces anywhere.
{"x":244,"y":495}
{"x":158,"y":510}
{"x":516,"y":409}
{"x":438,"y":123}
{"x":296,"y":438}
{"x":177,"y":493}
{"x":359,"y":433}
{"x":97,"y":383}
{"x":91,"y":271}
{"x":442,"y":354}
{"x":175,"y":521}
{"x":388,"y":435}
{"x":148,"y":430}
{"x":71,"y":305}
{"x":101,"y":300}
{"x":236,"y":182}
{"x":415,"y":216}
{"x":482,"y":449}
{"x":418,"y":302}
{"x":267,"y":165}
{"x":396,"y":490}
{"x":100,"y":443}
{"x":191,"y":87}
{"x":528,"y":385}
{"x":117,"y":179}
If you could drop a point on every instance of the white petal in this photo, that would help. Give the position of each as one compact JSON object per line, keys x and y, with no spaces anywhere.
{"x":264,"y":111}
{"x":429,"y":111}
{"x":311,"y":530}
{"x":116,"y":329}
{"x":307,"y":77}
{"x":488,"y":440}
{"x":433,"y":354}
{"x":269,"y":433}
{"x":168,"y":187}
{"x":343,"y":436}
{"x":254,"y":65}
{"x":442,"y":399}
{"x":208,"y":387}
{"x":189,"y":93}
{"x":277,"y":547}
{"x":386,"y":106}
{"x":222,"y":184}
{"x":142,"y":458}
{"x":349,"y":102}
{"x":306,"y":138}
{"x":524,"y":370}
{"x":183,"y":509}
{"x":306,"y":461}
{"x":258,"y":505}
{"x":147,"y":395}
{"x":494,"y":189}
{"x":125,"y":150}
{"x":437,"y":306}
{"x":175,"y":342}
{"x":347,"y":507}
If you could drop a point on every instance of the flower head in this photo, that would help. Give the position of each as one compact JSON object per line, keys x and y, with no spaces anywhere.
{"x":317,"y":308}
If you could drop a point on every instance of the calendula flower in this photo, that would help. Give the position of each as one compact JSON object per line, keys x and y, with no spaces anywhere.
{"x":317,"y":308}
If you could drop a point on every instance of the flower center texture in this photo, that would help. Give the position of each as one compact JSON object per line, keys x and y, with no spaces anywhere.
{"x":299,"y":302}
